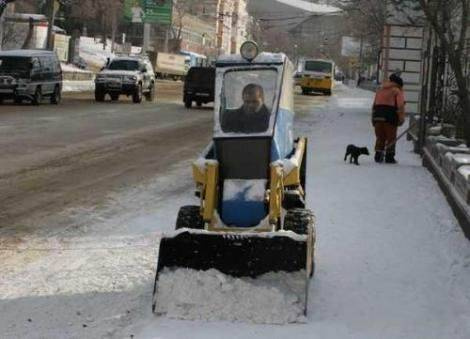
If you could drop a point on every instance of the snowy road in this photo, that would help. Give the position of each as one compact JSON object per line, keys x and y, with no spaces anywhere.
{"x":392,"y":261}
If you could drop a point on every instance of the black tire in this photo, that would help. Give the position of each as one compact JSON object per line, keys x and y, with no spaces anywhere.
{"x":299,"y":220}
{"x":37,"y":98}
{"x":303,"y":170}
{"x":305,"y":91}
{"x":188,"y":103}
{"x":328,"y":93}
{"x":190,"y":217}
{"x":137,"y":96}
{"x":150,"y":95}
{"x":56,"y":97}
{"x":199,"y":104}
{"x":302,"y":221}
{"x":99,"y":95}
{"x":292,"y":200}
{"x":114,"y":96}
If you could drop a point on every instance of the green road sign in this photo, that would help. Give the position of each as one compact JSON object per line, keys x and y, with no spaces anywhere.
{"x":157,"y":11}
{"x":148,"y":11}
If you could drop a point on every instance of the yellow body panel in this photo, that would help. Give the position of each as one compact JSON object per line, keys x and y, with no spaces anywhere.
{"x":206,"y":177}
{"x":293,"y":177}
{"x":211,"y":191}
{"x":275,"y":194}
{"x":316,"y":84}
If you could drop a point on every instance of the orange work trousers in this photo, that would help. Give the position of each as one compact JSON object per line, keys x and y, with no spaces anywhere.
{"x":386,"y":134}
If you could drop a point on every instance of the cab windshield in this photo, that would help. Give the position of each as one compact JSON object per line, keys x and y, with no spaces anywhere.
{"x":248,"y":98}
{"x":318,"y":66}
{"x":124,"y":65}
{"x":9,"y":65}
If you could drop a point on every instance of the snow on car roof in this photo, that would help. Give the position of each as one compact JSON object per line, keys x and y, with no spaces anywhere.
{"x":26,"y":52}
{"x":127,"y":58}
{"x":262,"y":58}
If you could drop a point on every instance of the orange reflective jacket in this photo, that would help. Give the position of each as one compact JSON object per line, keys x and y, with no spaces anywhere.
{"x":389,"y":104}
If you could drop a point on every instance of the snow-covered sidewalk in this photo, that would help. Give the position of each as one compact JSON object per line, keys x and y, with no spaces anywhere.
{"x":392,"y":261}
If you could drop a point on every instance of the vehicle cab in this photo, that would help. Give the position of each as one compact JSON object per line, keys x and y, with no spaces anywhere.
{"x":253,"y":139}
{"x":131,"y":76}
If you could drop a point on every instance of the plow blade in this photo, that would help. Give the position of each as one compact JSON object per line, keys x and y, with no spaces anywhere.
{"x":236,"y":255}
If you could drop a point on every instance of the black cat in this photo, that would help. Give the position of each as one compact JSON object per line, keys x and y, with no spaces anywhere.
{"x":354,"y":153}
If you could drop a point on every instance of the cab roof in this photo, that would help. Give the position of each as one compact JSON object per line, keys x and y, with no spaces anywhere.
{"x":263,"y":59}
{"x":26,"y":53}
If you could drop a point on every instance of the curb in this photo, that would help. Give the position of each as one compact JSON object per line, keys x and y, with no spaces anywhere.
{"x":458,"y":205}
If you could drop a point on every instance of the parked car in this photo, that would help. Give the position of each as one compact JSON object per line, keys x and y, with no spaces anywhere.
{"x":199,"y":86}
{"x":131,"y":76}
{"x":30,"y":75}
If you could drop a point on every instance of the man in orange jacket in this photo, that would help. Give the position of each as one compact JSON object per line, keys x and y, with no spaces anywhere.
{"x":388,"y":113}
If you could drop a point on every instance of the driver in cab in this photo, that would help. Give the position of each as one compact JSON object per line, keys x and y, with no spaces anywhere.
{"x":251,"y":117}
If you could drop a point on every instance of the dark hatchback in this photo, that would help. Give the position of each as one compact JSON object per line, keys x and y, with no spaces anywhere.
{"x":199,"y":86}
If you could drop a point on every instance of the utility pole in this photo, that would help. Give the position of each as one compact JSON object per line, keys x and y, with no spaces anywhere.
{"x":361,"y":55}
{"x":52,"y":8}
{"x":3,"y":8}
{"x":167,"y":38}
{"x":146,"y":42}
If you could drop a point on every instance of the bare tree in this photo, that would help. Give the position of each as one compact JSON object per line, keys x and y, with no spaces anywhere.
{"x":3,"y":5}
{"x":365,"y":21}
{"x":104,"y":12}
{"x":181,"y":9}
{"x":449,"y":20}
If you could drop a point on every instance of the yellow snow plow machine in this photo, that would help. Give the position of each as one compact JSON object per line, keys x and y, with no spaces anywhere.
{"x":251,"y":219}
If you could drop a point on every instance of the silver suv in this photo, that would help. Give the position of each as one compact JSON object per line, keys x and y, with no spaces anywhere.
{"x":132,"y":76}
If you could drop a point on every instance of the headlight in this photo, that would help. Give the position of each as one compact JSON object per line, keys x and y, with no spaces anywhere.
{"x":130,"y":78}
{"x":249,"y":50}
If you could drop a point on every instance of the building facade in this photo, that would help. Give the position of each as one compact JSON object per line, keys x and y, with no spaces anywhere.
{"x":240,"y":24}
{"x":198,"y":36}
{"x":230,"y":20}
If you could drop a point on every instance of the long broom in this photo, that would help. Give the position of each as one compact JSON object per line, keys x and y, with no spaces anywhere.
{"x":402,"y":135}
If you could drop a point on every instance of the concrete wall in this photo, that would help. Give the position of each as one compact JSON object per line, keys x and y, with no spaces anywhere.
{"x":402,"y":51}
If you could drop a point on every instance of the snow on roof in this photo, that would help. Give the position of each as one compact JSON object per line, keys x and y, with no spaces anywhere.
{"x":274,"y":58}
{"x":193,"y":54}
{"x":128,"y":57}
{"x":465,"y":171}
{"x":26,"y":17}
{"x":26,"y":52}
{"x":310,"y":7}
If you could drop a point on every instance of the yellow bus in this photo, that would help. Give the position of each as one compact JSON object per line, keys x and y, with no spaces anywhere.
{"x":316,"y":75}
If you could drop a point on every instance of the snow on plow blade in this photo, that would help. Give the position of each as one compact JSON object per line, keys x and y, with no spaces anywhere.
{"x":241,"y":256}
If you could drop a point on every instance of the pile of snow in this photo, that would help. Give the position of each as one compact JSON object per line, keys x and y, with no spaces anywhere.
{"x":248,"y":190}
{"x":273,"y":298}
{"x":69,"y":68}
{"x":465,"y":172}
{"x":95,"y":54}
{"x":93,"y":51}
{"x":78,"y":86}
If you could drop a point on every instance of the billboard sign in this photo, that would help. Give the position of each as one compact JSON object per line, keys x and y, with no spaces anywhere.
{"x":149,"y":11}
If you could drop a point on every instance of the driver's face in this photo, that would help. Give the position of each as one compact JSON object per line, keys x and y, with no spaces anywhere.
{"x":252,"y":102}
